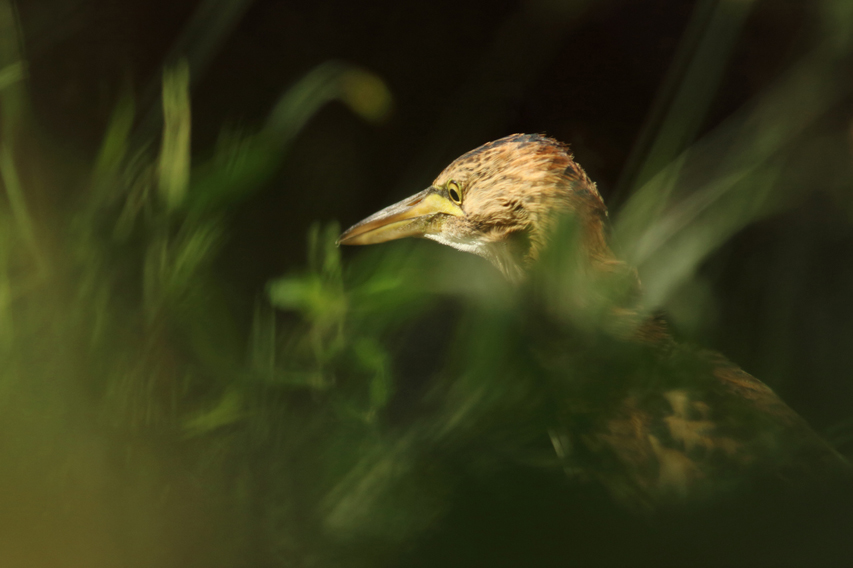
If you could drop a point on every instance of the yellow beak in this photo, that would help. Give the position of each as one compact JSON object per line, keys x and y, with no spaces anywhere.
{"x":421,"y":214}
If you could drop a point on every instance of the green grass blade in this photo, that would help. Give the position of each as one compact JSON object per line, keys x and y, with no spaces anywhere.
{"x":175,"y":150}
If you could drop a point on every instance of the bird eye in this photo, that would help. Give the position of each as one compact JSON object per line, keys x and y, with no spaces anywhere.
{"x":454,"y":193}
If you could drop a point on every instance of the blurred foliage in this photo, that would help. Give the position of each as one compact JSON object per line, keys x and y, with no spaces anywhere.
{"x":145,"y":427}
{"x":115,"y":313}
{"x":242,"y":164}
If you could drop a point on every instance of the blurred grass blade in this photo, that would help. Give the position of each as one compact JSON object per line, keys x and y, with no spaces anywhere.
{"x":208,"y":28}
{"x":726,"y":179}
{"x":12,"y":110}
{"x":689,"y":88}
{"x":116,"y":143}
{"x":11,"y":74}
{"x":242,"y":164}
{"x":17,"y":202}
{"x":693,"y":34}
{"x":175,"y":151}
{"x":205,"y":32}
{"x":263,"y":341}
{"x":364,"y":92}
{"x":174,"y":267}
{"x":837,"y":24}
{"x":12,"y":89}
{"x":225,"y":412}
{"x":10,"y":51}
{"x":686,"y":95}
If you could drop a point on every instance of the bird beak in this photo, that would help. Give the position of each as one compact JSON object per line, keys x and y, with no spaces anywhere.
{"x":421,"y":214}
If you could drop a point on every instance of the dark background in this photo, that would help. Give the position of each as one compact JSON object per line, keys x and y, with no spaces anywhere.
{"x":140,"y":418}
{"x":462,"y":73}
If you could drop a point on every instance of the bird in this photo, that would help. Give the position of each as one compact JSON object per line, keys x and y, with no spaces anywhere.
{"x":706,"y":425}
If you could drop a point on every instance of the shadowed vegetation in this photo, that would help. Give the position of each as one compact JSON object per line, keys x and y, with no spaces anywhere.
{"x":400,"y":406}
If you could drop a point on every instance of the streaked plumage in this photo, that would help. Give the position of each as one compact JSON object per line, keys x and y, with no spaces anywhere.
{"x":685,"y":438}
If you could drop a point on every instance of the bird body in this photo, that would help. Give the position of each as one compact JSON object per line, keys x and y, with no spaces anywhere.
{"x":686,"y":424}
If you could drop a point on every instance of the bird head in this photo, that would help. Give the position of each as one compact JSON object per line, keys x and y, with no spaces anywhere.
{"x":500,"y":201}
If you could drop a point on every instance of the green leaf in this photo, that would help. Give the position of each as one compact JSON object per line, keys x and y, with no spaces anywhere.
{"x":228,"y":410}
{"x":175,"y":150}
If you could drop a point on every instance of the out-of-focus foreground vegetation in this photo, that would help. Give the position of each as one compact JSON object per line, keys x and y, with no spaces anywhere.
{"x":376,"y":409}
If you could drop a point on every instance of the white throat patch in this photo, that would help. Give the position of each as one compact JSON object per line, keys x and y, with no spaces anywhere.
{"x":466,"y":244}
{"x":499,"y":254}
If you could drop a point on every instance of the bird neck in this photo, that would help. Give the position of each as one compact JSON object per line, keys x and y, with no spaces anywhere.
{"x":571,"y":251}
{"x":510,"y":257}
